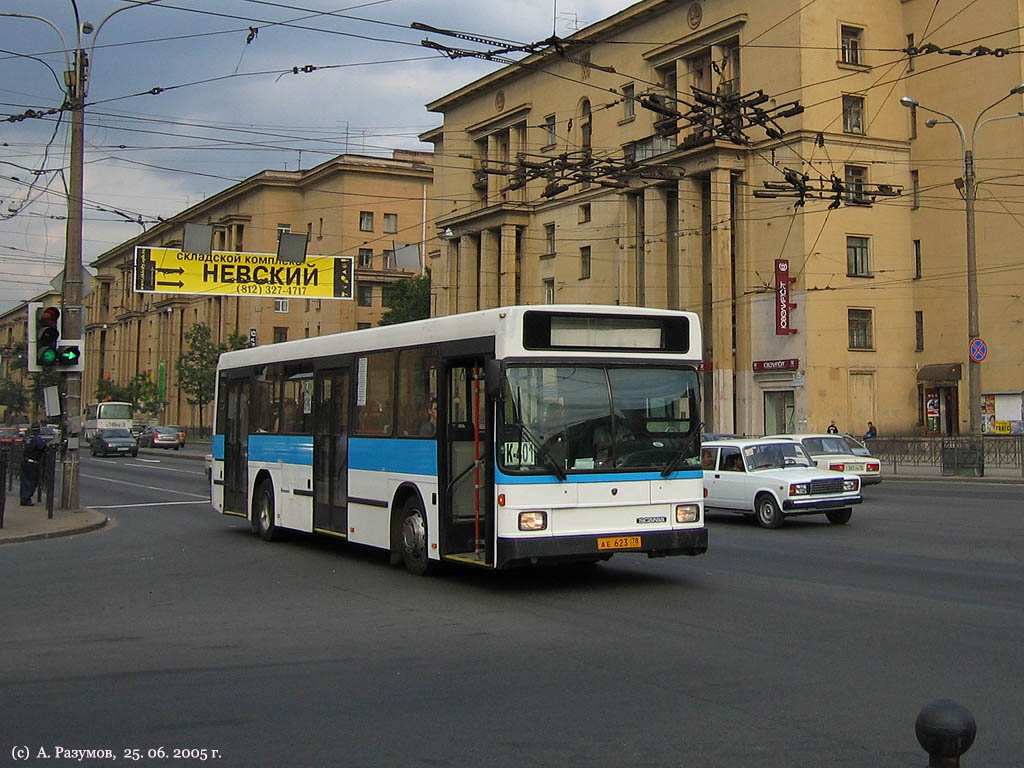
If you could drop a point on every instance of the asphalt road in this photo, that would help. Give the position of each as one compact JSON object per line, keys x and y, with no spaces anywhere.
{"x":813,"y":645}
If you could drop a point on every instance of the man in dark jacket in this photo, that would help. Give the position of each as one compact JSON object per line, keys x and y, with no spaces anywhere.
{"x":31,"y":464}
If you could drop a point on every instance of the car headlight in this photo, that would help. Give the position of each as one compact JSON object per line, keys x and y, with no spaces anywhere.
{"x":687,"y":513}
{"x":799,"y":489}
{"x":533,"y":521}
{"x":851,"y":485}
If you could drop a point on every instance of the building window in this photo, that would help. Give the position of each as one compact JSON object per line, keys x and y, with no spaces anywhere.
{"x":850,"y":38}
{"x":917,"y":259}
{"x":280,"y":334}
{"x":859,"y":323}
{"x":390,"y":223}
{"x":918,"y":331}
{"x":281,"y":305}
{"x":366,"y":221}
{"x":913,"y":121}
{"x":389,"y":258}
{"x":386,"y":296}
{"x":283,"y":229}
{"x":550,"y":136}
{"x":584,"y":213}
{"x":910,"y":55}
{"x":549,"y":290}
{"x":365,"y":295}
{"x":586,"y":129}
{"x":549,"y":239}
{"x":915,"y":187}
{"x":853,"y":114}
{"x":362,"y":326}
{"x":858,"y":259}
{"x":856,"y":178}
{"x":366,"y":258}
{"x":584,"y":262}
{"x":628,"y":103}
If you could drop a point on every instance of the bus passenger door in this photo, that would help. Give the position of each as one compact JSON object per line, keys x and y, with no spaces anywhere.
{"x":330,"y":452}
{"x":467,"y":516}
{"x":236,"y":448}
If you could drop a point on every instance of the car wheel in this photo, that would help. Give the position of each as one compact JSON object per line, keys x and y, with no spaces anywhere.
{"x":839,"y":516}
{"x":413,"y":538}
{"x":135,"y":453}
{"x":92,"y":450}
{"x":264,"y":512}
{"x":175,"y":447}
{"x":768,"y":513}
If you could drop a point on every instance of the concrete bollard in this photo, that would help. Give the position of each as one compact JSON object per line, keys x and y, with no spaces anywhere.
{"x":945,"y":730}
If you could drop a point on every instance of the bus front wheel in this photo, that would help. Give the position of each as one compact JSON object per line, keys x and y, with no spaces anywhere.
{"x":264,"y":512}
{"x":413,"y":538}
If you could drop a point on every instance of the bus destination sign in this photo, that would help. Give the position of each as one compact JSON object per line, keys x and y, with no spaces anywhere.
{"x":228,"y":273}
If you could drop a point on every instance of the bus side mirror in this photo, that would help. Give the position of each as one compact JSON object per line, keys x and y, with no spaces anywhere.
{"x":493,"y":380}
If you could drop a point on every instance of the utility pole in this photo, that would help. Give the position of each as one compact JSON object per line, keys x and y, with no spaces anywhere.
{"x":970,"y":192}
{"x":71,"y":295}
{"x":76,"y":81}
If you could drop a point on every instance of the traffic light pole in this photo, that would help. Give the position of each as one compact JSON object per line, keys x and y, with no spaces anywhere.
{"x":71,"y":295}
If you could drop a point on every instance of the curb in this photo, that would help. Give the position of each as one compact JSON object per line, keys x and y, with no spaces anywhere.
{"x":86,"y":528}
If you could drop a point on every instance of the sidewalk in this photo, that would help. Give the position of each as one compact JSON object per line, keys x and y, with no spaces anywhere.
{"x":31,"y":523}
{"x":925,"y":472}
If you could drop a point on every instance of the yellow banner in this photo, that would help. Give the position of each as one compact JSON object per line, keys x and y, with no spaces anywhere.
{"x":226,"y":273}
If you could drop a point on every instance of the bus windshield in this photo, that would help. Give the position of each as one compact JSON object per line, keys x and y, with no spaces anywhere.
{"x":577,"y":418}
{"x":115,"y":411}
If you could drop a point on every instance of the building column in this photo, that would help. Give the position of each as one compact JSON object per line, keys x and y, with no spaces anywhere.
{"x":467,"y":273}
{"x":507,"y":266}
{"x":490,"y":245}
{"x":722,"y":298}
{"x":655,"y":272}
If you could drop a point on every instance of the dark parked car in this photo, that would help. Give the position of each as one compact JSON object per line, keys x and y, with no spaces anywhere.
{"x":113,"y":441}
{"x":162,"y":437}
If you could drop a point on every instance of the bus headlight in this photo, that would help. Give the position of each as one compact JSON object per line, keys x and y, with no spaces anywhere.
{"x":687,"y":513}
{"x":799,"y":489}
{"x":533,"y":521}
{"x":851,"y":485}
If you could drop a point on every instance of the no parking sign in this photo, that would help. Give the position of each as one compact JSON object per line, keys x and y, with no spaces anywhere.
{"x":979,"y":349}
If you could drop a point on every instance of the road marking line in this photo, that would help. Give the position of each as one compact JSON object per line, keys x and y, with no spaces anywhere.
{"x":148,"y":504}
{"x":149,"y":487}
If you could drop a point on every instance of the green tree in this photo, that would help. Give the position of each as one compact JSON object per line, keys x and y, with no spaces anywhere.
{"x":197,"y":368}
{"x":408,"y":300}
{"x":14,"y":396}
{"x":141,"y":392}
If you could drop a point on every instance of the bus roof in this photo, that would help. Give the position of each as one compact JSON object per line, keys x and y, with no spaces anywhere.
{"x":496,"y":323}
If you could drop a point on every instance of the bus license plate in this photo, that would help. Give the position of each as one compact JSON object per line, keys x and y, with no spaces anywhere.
{"x":619,"y":542}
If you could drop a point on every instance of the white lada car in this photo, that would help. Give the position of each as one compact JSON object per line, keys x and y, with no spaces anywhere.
{"x":841,"y":453}
{"x":772,"y":479}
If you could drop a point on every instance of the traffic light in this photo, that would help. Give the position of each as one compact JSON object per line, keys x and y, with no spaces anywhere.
{"x":47,"y":336}
{"x":46,"y":348}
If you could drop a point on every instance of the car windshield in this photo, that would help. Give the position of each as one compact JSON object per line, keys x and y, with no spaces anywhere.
{"x":576,"y":418}
{"x":833,"y":444}
{"x":856,"y":447}
{"x":115,"y":433}
{"x":775,"y":456}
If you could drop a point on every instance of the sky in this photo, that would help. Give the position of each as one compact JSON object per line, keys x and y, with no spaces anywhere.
{"x":229,"y":104}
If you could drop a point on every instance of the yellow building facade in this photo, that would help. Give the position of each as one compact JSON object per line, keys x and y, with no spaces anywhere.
{"x":875,"y":316}
{"x":351,"y":206}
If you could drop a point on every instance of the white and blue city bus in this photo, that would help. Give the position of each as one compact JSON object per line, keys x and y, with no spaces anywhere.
{"x":498,"y":438}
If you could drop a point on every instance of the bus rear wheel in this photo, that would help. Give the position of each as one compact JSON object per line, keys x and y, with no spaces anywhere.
{"x":413,"y":538}
{"x":263,"y":512}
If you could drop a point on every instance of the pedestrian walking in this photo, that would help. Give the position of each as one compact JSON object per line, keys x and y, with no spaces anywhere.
{"x":832,"y":428}
{"x":31,"y":464}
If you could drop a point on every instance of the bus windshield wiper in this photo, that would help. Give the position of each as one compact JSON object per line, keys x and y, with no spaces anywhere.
{"x":544,"y":453}
{"x":687,"y":446}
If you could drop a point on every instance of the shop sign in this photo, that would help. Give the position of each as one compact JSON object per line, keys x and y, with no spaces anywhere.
{"x":783,"y":306}
{"x":790,"y":364}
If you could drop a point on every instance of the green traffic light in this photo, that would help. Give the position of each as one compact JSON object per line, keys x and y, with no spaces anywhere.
{"x":68,"y":355}
{"x":47,"y":356}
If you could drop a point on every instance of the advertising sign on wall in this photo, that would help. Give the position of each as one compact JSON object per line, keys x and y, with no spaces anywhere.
{"x":227,"y":273}
{"x":783,"y":306}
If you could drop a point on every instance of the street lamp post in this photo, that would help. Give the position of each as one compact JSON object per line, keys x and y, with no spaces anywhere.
{"x":77,"y":85}
{"x":970,"y":195}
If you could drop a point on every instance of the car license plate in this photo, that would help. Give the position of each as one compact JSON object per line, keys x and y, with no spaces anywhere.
{"x":619,"y":542}
{"x":123,"y":450}
{"x":855,"y":467}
